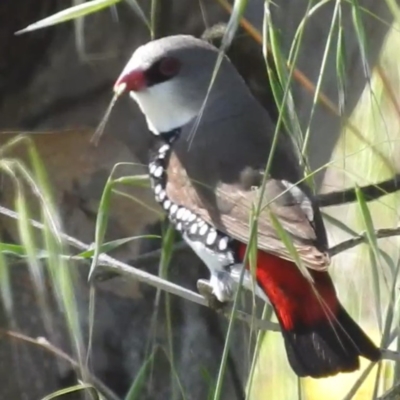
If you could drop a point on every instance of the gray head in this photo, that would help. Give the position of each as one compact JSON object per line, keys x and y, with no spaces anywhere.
{"x":169,"y":79}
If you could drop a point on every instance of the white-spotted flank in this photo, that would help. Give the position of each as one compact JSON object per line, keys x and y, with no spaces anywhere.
{"x":223,"y":243}
{"x":203,"y":229}
{"x":163,"y":149}
{"x":193,"y":228}
{"x":167,"y":204}
{"x":158,"y":171}
{"x":173,"y":210}
{"x":180,"y":213}
{"x":211,"y":237}
{"x":158,"y":189}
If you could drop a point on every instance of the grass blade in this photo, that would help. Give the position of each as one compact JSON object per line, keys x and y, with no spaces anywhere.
{"x":69,"y":390}
{"x":139,"y":12}
{"x":114,"y":244}
{"x":374,"y":252}
{"x":71,"y":13}
{"x":360,"y":34}
{"x":284,"y":236}
{"x":101,"y":223}
{"x":136,"y":180}
{"x":27,"y":238}
{"x":13,"y":250}
{"x":135,"y":391}
{"x":104,"y":207}
{"x":341,"y":64}
{"x":5,"y":285}
{"x":238,"y":10}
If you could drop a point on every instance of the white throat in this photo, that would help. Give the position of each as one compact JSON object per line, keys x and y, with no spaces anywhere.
{"x":163,"y":111}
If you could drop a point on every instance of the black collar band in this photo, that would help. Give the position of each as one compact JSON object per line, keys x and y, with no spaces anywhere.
{"x":170,"y":136}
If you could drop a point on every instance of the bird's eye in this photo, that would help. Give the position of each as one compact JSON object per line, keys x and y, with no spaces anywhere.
{"x":169,"y":66}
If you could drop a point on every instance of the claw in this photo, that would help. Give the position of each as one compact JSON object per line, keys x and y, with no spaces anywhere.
{"x":206,"y":290}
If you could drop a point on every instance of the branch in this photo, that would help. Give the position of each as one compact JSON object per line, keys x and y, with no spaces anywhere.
{"x":392,"y":394}
{"x":44,"y":343}
{"x":370,"y":192}
{"x":153,"y":280}
{"x":362,"y":238}
{"x":142,"y":276}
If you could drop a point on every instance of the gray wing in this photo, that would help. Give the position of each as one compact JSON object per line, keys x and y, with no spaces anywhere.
{"x":229,"y":208}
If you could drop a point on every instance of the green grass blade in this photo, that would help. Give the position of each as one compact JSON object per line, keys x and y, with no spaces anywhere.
{"x":136,"y":389}
{"x":12,"y":250}
{"x":239,"y":7}
{"x":253,"y":250}
{"x":176,"y":379}
{"x":394,"y":9}
{"x":388,"y":319}
{"x":101,"y":223}
{"x":321,"y":74}
{"x":63,"y":277}
{"x":279,"y":79}
{"x":139,"y":12}
{"x":374,"y":252}
{"x":284,"y":236}
{"x":396,"y":372}
{"x":341,"y":64}
{"x":154,"y":18}
{"x":69,"y":390}
{"x":79,"y":28}
{"x":224,"y":358}
{"x":360,"y":34}
{"x":135,"y":180}
{"x":339,"y":224}
{"x":113,"y":244}
{"x":168,"y":240}
{"x":266,"y":315}
{"x":104,"y":208}
{"x":71,"y":13}
{"x":27,"y":238}
{"x":5,"y":285}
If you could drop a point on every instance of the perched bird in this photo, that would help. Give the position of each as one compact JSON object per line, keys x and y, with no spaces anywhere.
{"x":214,"y":142}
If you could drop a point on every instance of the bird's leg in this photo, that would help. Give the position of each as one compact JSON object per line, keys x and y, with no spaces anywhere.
{"x":219,"y":290}
{"x":206,"y":290}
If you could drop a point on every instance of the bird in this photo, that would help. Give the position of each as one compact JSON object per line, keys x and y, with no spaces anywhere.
{"x":213,"y":141}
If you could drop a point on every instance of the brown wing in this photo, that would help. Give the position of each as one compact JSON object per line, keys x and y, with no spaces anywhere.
{"x":229,"y":207}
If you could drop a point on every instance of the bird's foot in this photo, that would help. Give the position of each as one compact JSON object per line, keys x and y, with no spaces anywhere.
{"x":207,"y":291}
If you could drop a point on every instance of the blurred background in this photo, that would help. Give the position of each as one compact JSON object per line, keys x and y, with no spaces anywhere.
{"x":342,"y":61}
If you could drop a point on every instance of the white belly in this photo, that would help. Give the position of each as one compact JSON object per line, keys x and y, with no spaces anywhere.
{"x":225,"y":276}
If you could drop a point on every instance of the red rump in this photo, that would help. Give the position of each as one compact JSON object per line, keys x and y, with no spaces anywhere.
{"x":321,"y":339}
{"x":296,"y":300}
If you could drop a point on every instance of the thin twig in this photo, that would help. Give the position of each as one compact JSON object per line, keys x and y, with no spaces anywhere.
{"x":134,"y":273}
{"x":44,"y":343}
{"x":131,"y":272}
{"x":156,"y":254}
{"x":152,"y":280}
{"x":370,"y":192}
{"x":362,"y":238}
{"x":390,"y":355}
{"x":392,"y":394}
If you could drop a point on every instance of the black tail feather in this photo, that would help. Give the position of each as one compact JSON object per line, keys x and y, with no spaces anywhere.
{"x":329,"y":347}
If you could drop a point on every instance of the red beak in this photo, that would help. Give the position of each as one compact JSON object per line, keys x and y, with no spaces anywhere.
{"x":131,"y":81}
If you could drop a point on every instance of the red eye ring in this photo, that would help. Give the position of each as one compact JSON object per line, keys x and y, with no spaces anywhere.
{"x":169,"y":66}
